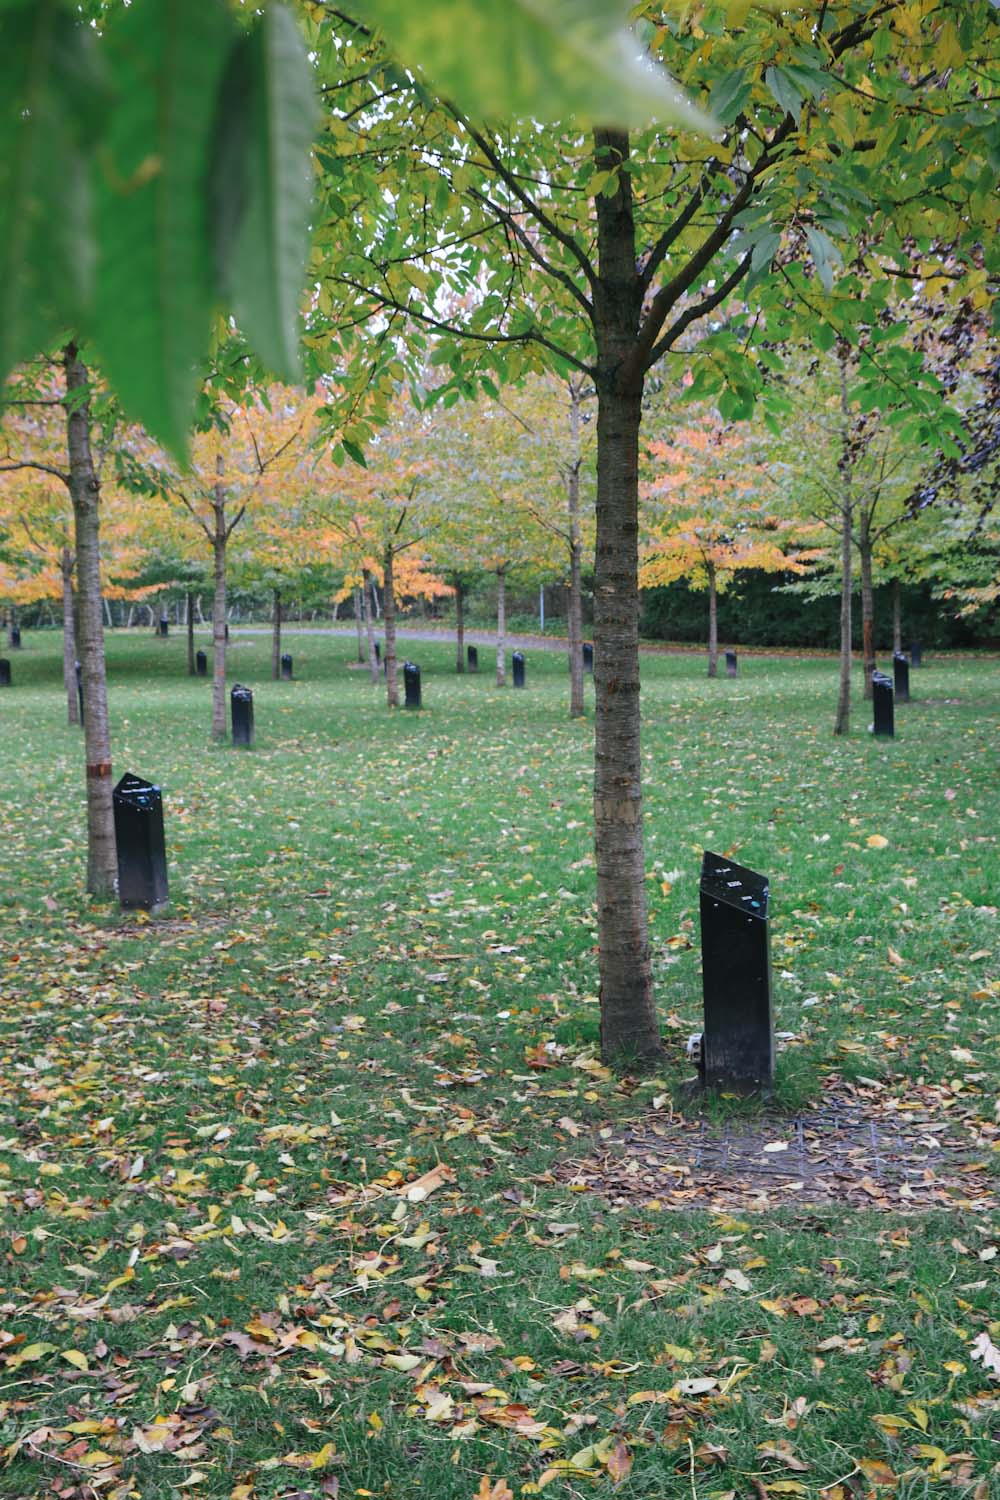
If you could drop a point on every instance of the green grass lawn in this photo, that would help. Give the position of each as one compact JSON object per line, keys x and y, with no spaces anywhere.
{"x":378,"y":962}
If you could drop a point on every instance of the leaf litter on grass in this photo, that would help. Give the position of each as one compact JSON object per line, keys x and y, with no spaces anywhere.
{"x":281,"y":1173}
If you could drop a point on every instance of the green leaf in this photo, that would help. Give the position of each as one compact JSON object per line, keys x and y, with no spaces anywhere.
{"x":53,"y":101}
{"x":729,"y":94}
{"x":763,"y":250}
{"x":825,"y":255}
{"x":535,"y":59}
{"x":154,"y":281}
{"x":261,"y":186}
{"x":784,"y":91}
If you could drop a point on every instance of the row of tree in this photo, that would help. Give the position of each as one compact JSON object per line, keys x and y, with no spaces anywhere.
{"x":832,"y":171}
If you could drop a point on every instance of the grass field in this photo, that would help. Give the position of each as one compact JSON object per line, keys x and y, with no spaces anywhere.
{"x":222,"y":1274}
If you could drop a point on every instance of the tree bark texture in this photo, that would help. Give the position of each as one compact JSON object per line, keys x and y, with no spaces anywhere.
{"x":69,"y":638}
{"x":629,"y":1029}
{"x":842,"y":722}
{"x":389,"y":629}
{"x":102,"y":863}
{"x":897,"y":618}
{"x":189,"y":621}
{"x":867,"y":608}
{"x":220,"y":539}
{"x":501,"y":627}
{"x":369,"y":626}
{"x":713,"y":623}
{"x":459,"y":626}
{"x":575,"y":609}
{"x":358,"y":625}
{"x":276,"y":637}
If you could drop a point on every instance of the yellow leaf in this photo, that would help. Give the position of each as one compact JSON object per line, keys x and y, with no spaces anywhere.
{"x":939,"y":1459}
{"x":786,"y":1487}
{"x":678,"y":1352}
{"x":29,"y":1353}
{"x":775,"y":1308}
{"x":876,"y":841}
{"x":640,"y":1398}
{"x":76,"y":1357}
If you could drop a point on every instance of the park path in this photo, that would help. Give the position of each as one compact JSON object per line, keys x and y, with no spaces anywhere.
{"x":514,"y":642}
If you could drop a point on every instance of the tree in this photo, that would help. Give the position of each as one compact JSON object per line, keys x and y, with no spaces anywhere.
{"x":706,"y":515}
{"x":604,"y":253}
{"x":247,"y":452}
{"x":556,"y":448}
{"x":495,"y":469}
{"x":380,"y":509}
{"x":81,"y":476}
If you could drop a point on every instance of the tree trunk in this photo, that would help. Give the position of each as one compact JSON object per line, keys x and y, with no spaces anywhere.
{"x":189,"y":621}
{"x":842,"y":723}
{"x":501,"y":627}
{"x":374,"y":593}
{"x":713,"y":623}
{"x":575,"y":609}
{"x":867,"y":607}
{"x":369,"y":627}
{"x":201,"y":613}
{"x":276,"y":637}
{"x":219,"y":541}
{"x":102,"y":863}
{"x":629,"y":1029}
{"x":359,"y":625}
{"x":69,"y":638}
{"x":389,"y":629}
{"x":897,"y":619}
{"x":459,"y":626}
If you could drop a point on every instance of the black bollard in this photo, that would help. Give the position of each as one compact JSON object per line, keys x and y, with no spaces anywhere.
{"x":517,"y":661}
{"x":738,"y":1042}
{"x":286,"y":668}
{"x":731,"y":664}
{"x":4,"y":672}
{"x":164,"y":625}
{"x":411,"y":684}
{"x":201,"y":663}
{"x":916,"y":654}
{"x":588,"y":657}
{"x":472,"y":656}
{"x":378,"y":651}
{"x":15,"y":637}
{"x":79,"y":689}
{"x":241,"y":709}
{"x":142,"y":853}
{"x":882,"y":705}
{"x":901,"y":677}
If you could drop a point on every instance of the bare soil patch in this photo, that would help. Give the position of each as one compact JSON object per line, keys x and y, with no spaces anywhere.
{"x":856,"y":1147}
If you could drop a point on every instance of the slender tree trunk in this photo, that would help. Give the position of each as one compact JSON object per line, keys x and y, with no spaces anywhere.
{"x":629,"y":1029}
{"x":575,"y":610}
{"x":501,"y":627}
{"x":11,"y":624}
{"x":459,"y":626}
{"x":102,"y":864}
{"x":369,"y":626}
{"x":189,"y":621}
{"x":358,"y":625}
{"x":389,"y":630}
{"x":867,"y":608}
{"x":376,"y":608}
{"x":201,"y":613}
{"x":713,"y":623}
{"x":69,"y":638}
{"x":897,"y":618}
{"x":276,"y":637}
{"x":219,"y":541}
